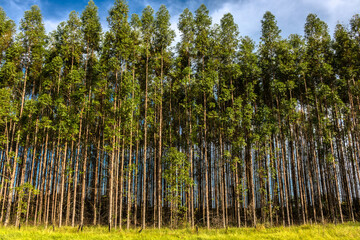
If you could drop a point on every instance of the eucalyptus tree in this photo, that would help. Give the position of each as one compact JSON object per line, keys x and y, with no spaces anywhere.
{"x":147,"y":27}
{"x":32,"y":38}
{"x":10,"y":73}
{"x":109,"y":122}
{"x":47,"y":129}
{"x":69,"y":88}
{"x":270,"y":41}
{"x":120,"y":47}
{"x":354,"y":83}
{"x":244,"y":110}
{"x":344,"y":65}
{"x":292,"y":70}
{"x":317,"y":76}
{"x":134,"y":60}
{"x":228,"y":71}
{"x":91,"y":29}
{"x":134,"y":102}
{"x":186,"y":53}
{"x":163,"y":38}
{"x":202,"y":44}
{"x":353,"y":79}
{"x":282,"y":87}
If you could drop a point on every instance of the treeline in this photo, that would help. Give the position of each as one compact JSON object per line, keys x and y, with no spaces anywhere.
{"x":123,"y":128}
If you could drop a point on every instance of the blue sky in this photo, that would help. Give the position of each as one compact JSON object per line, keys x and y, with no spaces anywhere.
{"x":290,"y":14}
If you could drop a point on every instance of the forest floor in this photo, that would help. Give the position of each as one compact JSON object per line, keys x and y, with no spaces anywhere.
{"x":329,"y":231}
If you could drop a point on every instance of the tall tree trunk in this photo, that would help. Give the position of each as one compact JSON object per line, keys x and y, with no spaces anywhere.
{"x":22,"y":178}
{"x":32,"y":169}
{"x":159,"y":187}
{"x":129,"y":204}
{"x":49,"y":180}
{"x":96,"y":174}
{"x":143,"y":205}
{"x":136,"y":175}
{"x":78,"y":151}
{"x":83,"y":193}
{"x":121,"y":184}
{"x":68,"y":201}
{"x":63,"y":166}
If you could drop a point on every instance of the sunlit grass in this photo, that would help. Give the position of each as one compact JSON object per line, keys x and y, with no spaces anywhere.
{"x":329,"y":231}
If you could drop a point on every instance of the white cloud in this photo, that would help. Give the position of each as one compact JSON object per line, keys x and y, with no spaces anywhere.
{"x":174,"y":26}
{"x":290,"y":15}
{"x":15,"y":8}
{"x":51,"y":25}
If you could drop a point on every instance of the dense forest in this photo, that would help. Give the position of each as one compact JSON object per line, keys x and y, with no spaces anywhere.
{"x":128,"y":128}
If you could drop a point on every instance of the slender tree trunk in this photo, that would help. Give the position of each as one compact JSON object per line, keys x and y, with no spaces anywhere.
{"x":143,"y":205}
{"x":63,"y":166}
{"x":159,"y":187}
{"x":280,"y":182}
{"x":136,"y":174}
{"x":96,"y":175}
{"x":121,"y":182}
{"x":12,"y":179}
{"x":129,"y":204}
{"x":298,"y":159}
{"x":83,"y":193}
{"x":78,"y":151}
{"x":55,"y":184}
{"x":49,"y":180}
{"x":44,"y":159}
{"x":22,"y":178}
{"x":68,"y":201}
{"x":15,"y":161}
{"x":336,"y":181}
{"x":32,"y":169}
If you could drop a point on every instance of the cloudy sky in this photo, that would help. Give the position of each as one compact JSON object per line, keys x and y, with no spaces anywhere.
{"x":290,"y":14}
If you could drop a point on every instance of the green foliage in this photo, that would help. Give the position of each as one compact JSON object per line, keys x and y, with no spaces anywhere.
{"x":7,"y":107}
{"x":23,"y":191}
{"x":202,"y":30}
{"x":164,"y":35}
{"x":91,"y":26}
{"x":7,"y":31}
{"x":176,"y":174}
{"x":147,"y":24}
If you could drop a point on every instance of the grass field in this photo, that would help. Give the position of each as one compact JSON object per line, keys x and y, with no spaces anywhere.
{"x":344,"y":231}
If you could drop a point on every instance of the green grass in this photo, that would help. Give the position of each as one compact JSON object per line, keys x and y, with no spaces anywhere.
{"x":329,"y":231}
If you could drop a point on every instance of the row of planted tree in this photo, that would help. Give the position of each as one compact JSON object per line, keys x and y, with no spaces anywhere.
{"x":123,"y":129}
